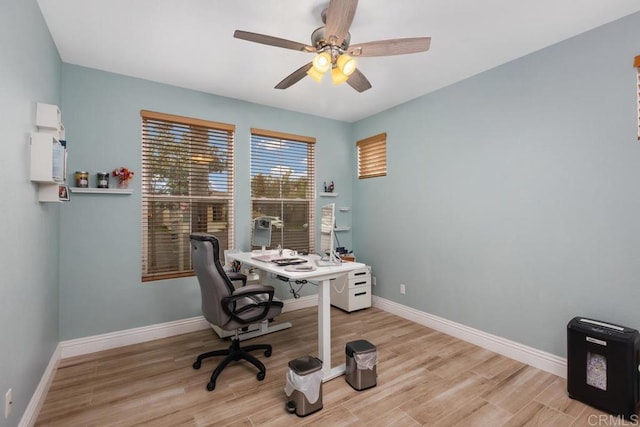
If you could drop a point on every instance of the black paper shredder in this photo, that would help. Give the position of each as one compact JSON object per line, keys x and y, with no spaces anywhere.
{"x":603,"y":362}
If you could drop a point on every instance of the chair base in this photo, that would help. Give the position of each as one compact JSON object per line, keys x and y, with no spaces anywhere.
{"x":253,"y":330}
{"x":234,"y":353}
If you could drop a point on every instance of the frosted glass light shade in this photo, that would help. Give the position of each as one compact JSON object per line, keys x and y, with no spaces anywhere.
{"x":346,"y":64}
{"x":337,"y":76}
{"x":315,"y":74}
{"x":322,"y":62}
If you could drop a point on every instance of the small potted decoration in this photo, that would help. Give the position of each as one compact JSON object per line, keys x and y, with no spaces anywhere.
{"x":124,"y":175}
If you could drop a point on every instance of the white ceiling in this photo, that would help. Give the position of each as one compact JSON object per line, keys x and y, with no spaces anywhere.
{"x":189,"y":43}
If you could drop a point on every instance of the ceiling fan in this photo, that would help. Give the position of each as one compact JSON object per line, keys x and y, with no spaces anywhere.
{"x":331,"y":44}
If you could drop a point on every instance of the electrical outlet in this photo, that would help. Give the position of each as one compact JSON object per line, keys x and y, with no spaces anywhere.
{"x":8,"y":403}
{"x":402,"y":288}
{"x":373,"y":280}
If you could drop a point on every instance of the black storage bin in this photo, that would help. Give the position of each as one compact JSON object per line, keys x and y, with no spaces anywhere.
{"x":602,"y":365}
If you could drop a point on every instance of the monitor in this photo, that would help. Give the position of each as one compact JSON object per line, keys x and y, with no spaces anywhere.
{"x":261,"y":234}
{"x":327,"y":229}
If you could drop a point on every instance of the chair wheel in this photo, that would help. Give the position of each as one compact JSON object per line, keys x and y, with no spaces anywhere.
{"x":260,"y":376}
{"x":196,"y":365}
{"x":211,"y":386}
{"x":267,"y":353}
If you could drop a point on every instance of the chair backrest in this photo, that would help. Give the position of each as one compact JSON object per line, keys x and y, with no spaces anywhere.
{"x":214,"y":283}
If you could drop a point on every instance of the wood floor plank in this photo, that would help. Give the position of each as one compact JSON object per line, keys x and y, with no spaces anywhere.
{"x":424,"y":378}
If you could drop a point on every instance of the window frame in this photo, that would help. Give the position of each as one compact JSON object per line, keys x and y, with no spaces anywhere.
{"x":203,"y":137}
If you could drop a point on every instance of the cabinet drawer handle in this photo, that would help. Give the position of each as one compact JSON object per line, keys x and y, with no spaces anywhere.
{"x":359,"y":293}
{"x":361,"y":283}
{"x":360,"y":274}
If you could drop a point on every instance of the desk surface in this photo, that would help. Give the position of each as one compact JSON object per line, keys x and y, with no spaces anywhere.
{"x":319,"y":273}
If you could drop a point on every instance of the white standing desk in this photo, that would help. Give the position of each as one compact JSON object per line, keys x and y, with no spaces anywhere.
{"x":322,"y":275}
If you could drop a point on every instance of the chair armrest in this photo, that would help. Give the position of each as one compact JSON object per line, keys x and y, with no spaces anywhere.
{"x":236,"y":276}
{"x":230,"y":307}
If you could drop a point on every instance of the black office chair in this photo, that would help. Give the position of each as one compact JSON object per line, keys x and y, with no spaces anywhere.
{"x":229,"y":308}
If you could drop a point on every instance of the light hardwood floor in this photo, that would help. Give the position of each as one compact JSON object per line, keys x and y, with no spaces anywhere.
{"x":424,"y":378}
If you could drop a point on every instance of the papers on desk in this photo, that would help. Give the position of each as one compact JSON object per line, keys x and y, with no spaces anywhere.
{"x":300,"y":268}
{"x":279,"y":260}
{"x":265,"y":258}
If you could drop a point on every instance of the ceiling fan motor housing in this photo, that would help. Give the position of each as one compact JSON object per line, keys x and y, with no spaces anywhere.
{"x":320,"y":42}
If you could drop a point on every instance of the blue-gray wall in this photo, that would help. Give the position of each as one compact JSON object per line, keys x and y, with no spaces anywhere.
{"x":29,"y":73}
{"x":100,"y":240}
{"x":512,"y":198}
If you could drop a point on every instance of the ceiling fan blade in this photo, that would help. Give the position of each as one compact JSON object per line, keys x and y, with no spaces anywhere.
{"x":339,"y":18}
{"x":272,"y":41}
{"x":295,"y":77}
{"x":391,"y":47}
{"x":358,"y":81}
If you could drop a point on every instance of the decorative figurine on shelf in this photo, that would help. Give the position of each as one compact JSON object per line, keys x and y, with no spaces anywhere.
{"x":328,"y":188}
{"x":124,"y":175}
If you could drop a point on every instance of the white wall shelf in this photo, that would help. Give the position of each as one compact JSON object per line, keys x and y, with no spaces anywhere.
{"x":328,"y":194}
{"x":344,"y":209}
{"x":81,"y":190}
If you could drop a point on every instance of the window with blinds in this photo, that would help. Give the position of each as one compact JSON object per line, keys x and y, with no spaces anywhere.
{"x":636,"y":63}
{"x":372,"y":156}
{"x":283,"y":187}
{"x":187,"y":186}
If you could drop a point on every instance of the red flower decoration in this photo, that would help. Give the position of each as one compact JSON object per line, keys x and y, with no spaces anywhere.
{"x":122,"y":173}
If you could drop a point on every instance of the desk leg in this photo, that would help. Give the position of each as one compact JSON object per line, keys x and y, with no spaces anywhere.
{"x":324,"y":332}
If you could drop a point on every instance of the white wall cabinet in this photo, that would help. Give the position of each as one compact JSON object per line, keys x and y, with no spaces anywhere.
{"x":48,"y":157}
{"x":352,"y":291}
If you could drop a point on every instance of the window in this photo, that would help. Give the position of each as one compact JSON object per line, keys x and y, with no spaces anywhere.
{"x":636,"y":63}
{"x":187,"y":186}
{"x":283,"y":186}
{"x":372,"y":156}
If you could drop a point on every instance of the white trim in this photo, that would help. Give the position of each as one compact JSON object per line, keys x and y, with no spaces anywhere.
{"x":537,"y":358}
{"x":300,"y":303}
{"x":86,"y":345}
{"x":30,"y":415}
{"x":80,"y":346}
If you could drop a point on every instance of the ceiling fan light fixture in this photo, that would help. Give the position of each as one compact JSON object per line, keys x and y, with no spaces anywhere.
{"x":315,"y":74}
{"x":346,"y":64}
{"x":337,"y":76}
{"x":322,"y":62}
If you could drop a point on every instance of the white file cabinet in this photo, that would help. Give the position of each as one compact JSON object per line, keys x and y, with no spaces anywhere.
{"x":352,"y":291}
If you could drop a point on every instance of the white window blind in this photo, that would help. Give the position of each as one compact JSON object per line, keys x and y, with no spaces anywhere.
{"x":187,"y":186}
{"x":372,"y":156}
{"x":283,"y":186}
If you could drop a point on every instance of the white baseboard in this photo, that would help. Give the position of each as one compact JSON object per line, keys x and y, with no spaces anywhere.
{"x":30,"y":415}
{"x":537,"y":358}
{"x":80,"y":346}
{"x":300,"y":303}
